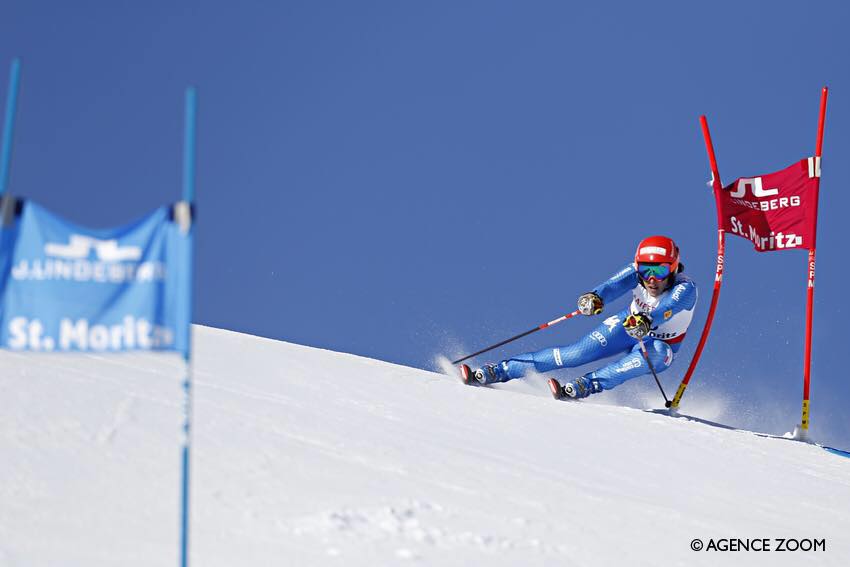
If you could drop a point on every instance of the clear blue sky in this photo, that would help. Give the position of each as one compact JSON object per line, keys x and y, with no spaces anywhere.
{"x":399,"y":179}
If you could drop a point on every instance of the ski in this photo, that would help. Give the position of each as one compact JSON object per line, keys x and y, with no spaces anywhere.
{"x":556,"y":389}
{"x":467,"y":376}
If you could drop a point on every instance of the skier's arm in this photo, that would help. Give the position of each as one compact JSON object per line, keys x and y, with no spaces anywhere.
{"x":683,"y":296}
{"x":621,"y":282}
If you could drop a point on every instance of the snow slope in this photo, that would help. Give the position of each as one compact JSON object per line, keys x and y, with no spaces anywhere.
{"x":310,"y":457}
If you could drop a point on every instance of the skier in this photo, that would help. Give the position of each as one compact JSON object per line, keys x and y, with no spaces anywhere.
{"x":663,"y":301}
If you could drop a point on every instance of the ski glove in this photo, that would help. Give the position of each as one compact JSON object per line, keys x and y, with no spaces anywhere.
{"x":590,"y":304}
{"x":637,"y":325}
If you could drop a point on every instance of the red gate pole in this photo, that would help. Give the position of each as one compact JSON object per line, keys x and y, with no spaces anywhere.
{"x":717,"y":187}
{"x":802,"y":430}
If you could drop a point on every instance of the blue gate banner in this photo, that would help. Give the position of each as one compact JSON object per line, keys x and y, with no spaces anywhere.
{"x":66,"y":288}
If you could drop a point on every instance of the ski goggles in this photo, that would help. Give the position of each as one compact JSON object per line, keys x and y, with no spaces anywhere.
{"x":648,"y":272}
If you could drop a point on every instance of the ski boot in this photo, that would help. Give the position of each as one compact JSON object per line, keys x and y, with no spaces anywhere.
{"x":487,"y":374}
{"x":581,"y":387}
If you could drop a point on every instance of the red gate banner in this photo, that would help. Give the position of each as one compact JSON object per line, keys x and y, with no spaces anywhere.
{"x":776,"y":211}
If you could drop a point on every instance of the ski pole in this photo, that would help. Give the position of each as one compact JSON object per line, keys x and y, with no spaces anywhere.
{"x":667,"y":403}
{"x":521,"y":335}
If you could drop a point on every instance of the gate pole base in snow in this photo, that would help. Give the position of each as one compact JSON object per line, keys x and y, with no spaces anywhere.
{"x":801,"y":431}
{"x":801,"y":434}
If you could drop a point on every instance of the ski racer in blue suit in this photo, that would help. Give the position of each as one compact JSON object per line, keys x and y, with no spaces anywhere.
{"x":663,"y":302}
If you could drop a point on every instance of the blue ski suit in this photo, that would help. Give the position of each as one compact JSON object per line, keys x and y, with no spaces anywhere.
{"x":671,"y":313}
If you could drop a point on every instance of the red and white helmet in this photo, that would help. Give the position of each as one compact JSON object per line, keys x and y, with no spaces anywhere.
{"x":658,"y":250}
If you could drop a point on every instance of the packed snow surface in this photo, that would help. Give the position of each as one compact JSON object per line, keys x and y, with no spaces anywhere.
{"x":303,"y":456}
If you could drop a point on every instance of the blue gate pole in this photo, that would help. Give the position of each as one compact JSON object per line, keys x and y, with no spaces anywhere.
{"x":9,"y":124}
{"x":189,"y":146}
{"x":188,"y":196}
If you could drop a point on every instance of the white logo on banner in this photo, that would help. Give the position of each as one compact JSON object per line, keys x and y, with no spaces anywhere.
{"x":80,"y":247}
{"x":755,"y":186}
{"x":774,"y":241}
{"x":612,"y":322}
{"x":70,"y":262}
{"x":131,"y":333}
